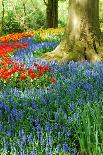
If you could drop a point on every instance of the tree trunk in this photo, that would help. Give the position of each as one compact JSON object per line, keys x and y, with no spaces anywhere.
{"x":82,"y":33}
{"x":2,"y":19}
{"x":52,"y":13}
{"x":24,"y":20}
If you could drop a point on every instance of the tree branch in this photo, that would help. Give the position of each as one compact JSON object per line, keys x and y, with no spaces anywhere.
{"x":45,"y":3}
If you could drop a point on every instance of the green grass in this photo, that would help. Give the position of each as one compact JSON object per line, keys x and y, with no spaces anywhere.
{"x":91,"y":129}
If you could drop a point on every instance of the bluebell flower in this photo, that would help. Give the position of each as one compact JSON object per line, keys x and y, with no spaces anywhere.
{"x":69,"y":119}
{"x":1,"y":104}
{"x":38,"y":127}
{"x":30,"y":136}
{"x":56,"y":126}
{"x":39,"y":135}
{"x":56,"y":116}
{"x":0,"y":126}
{"x":4,"y":145}
{"x":24,"y":138}
{"x":58,"y":148}
{"x":75,"y":151}
{"x":7,"y":109}
{"x":50,"y":140}
{"x":69,"y":132}
{"x":13,"y":111}
{"x":50,"y":151}
{"x":0,"y":113}
{"x":63,"y":128}
{"x":47,"y":126}
{"x":80,"y":102}
{"x":9,"y":117}
{"x":47,"y":152}
{"x":65,"y":116}
{"x":20,"y":143}
{"x":59,"y":134}
{"x":65,"y":147}
{"x":33,"y":153}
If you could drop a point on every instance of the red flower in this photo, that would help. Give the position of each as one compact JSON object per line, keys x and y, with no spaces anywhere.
{"x":16,"y":45}
{"x":40,"y":67}
{"x":23,"y":76}
{"x":30,"y":71}
{"x":21,"y":69}
{"x":21,"y":64}
{"x":35,"y":64}
{"x":45,"y":68}
{"x":53,"y":80}
{"x":15,"y":62}
{"x":24,"y":44}
{"x":5,"y":77}
{"x":13,"y":71}
{"x":15,"y":67}
{"x":8,"y":61}
{"x":33,"y":76}
{"x":41,"y":72}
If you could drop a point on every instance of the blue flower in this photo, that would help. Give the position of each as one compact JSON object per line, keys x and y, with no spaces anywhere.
{"x":65,"y":116}
{"x":58,"y":148}
{"x":1,"y":104}
{"x":33,"y":153}
{"x":64,"y":128}
{"x":56,"y":116}
{"x":7,"y":109}
{"x":0,"y":126}
{"x":50,"y":140}
{"x":24,"y":138}
{"x":47,"y":126}
{"x":65,"y":147}
{"x":69,"y":119}
{"x":0,"y":113}
{"x":69,"y":132}
{"x":59,"y":134}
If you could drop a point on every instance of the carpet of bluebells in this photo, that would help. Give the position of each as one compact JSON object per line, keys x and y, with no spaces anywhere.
{"x":45,"y":120}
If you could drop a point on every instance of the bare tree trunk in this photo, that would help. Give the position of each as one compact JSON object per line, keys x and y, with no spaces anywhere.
{"x":52,"y":13}
{"x":2,"y":19}
{"x":24,"y":23}
{"x":82,"y":33}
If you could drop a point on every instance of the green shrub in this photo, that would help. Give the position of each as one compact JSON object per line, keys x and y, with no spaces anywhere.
{"x":10,"y":24}
{"x":36,"y":20}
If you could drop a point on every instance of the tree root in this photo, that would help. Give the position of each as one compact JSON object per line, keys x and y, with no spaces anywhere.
{"x":78,"y":53}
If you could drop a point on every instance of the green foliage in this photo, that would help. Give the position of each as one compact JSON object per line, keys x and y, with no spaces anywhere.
{"x":37,"y":20}
{"x":61,"y":23}
{"x":10,"y":24}
{"x":91,"y":129}
{"x":41,"y":51}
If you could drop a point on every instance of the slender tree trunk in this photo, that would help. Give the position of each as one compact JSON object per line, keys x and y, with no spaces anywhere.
{"x":2,"y":19}
{"x":52,"y":13}
{"x":55,"y":13}
{"x":82,"y":33}
{"x":24,"y":22}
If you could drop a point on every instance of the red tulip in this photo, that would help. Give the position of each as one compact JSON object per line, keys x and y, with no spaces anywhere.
{"x":23,"y":76}
{"x":33,"y":76}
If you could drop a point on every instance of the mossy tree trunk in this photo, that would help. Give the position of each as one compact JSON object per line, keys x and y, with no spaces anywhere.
{"x":82,"y":35}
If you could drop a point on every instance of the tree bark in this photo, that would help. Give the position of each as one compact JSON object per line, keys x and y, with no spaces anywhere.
{"x":24,"y":22}
{"x":52,"y":13}
{"x":82,"y":35}
{"x":2,"y":19}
